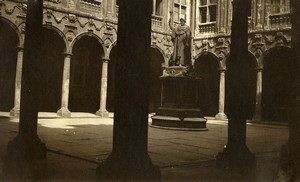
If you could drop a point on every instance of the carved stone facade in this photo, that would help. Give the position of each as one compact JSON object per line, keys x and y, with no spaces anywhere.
{"x":210,"y":22}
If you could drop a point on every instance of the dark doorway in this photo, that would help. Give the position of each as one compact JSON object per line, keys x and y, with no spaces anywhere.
{"x":8,"y":61}
{"x":156,"y":70}
{"x":250,"y":73}
{"x":111,"y":80}
{"x":276,"y":84}
{"x":86,"y":70}
{"x":52,"y":62}
{"x":207,"y":67}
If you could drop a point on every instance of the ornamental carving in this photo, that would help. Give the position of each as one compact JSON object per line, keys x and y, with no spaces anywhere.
{"x":205,"y":45}
{"x":72,"y":18}
{"x":279,"y":39}
{"x":20,"y":6}
{"x":222,"y":43}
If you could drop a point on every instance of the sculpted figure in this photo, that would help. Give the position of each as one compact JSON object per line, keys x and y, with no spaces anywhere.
{"x":181,"y":36}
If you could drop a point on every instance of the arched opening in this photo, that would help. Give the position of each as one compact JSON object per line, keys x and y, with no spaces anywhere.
{"x":156,"y":70}
{"x":207,"y":67}
{"x":111,"y":80}
{"x":8,"y":61}
{"x":85,"y":78}
{"x":52,"y":62}
{"x":250,"y":73}
{"x":277,"y":77}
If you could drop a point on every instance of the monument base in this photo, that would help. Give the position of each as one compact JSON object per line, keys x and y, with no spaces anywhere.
{"x":180,"y":101}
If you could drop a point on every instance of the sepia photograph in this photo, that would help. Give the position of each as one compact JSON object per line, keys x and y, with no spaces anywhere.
{"x":150,"y":90}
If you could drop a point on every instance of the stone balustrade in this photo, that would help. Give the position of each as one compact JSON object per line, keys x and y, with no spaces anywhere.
{"x":282,"y":19}
{"x":207,"y":27}
{"x":157,"y":21}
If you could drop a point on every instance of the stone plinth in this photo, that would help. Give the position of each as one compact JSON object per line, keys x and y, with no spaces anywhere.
{"x":180,"y":101}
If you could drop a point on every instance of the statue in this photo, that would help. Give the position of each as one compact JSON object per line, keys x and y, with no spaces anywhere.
{"x":181,"y":37}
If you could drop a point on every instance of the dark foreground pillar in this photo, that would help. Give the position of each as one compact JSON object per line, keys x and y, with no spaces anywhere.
{"x":289,"y":166}
{"x":24,"y":150}
{"x":129,"y":160}
{"x":236,"y":155}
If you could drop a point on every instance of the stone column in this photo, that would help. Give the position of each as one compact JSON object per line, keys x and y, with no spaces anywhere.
{"x":103,"y":91}
{"x":129,"y":160}
{"x":27,"y":146}
{"x":257,"y":116}
{"x":236,"y":156}
{"x":154,"y":7}
{"x":15,"y":112}
{"x":289,"y":165}
{"x":221,"y":115}
{"x":64,"y":111}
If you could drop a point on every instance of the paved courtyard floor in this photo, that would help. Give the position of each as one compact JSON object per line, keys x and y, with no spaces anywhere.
{"x":76,"y":145}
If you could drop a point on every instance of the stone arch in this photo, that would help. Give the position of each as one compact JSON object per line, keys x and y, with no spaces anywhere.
{"x":16,"y":29}
{"x":9,"y":41}
{"x":277,"y":82}
{"x":207,"y":67}
{"x":86,"y":74}
{"x":90,"y":34}
{"x":52,"y":49}
{"x":61,"y":34}
{"x":270,"y":49}
{"x":162,"y":53}
{"x":207,"y":53}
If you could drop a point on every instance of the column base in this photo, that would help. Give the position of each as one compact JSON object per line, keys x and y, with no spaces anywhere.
{"x":26,"y":148}
{"x":289,"y":163}
{"x":237,"y":159}
{"x":221,"y":116}
{"x":128,"y":168}
{"x":103,"y":114}
{"x":25,"y":158}
{"x":64,"y":112}
{"x":14,"y":112}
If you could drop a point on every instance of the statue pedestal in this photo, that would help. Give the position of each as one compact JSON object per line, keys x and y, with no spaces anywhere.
{"x":180,"y":101}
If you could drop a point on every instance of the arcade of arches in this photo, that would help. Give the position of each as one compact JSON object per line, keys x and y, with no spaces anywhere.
{"x":86,"y":68}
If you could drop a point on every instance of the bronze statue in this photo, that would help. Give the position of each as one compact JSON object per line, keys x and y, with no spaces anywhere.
{"x":181,"y":36}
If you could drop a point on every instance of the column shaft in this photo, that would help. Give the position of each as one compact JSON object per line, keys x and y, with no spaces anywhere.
{"x":129,"y":160}
{"x":32,"y":73}
{"x":257,"y":115}
{"x":103,"y":91}
{"x":236,"y":155}
{"x":16,"y":110}
{"x":221,"y":115}
{"x":154,"y":7}
{"x":64,"y":111}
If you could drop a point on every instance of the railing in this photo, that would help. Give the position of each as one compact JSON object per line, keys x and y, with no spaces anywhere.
{"x":207,"y":27}
{"x":91,"y":4}
{"x":279,"y":19}
{"x":157,"y":21}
